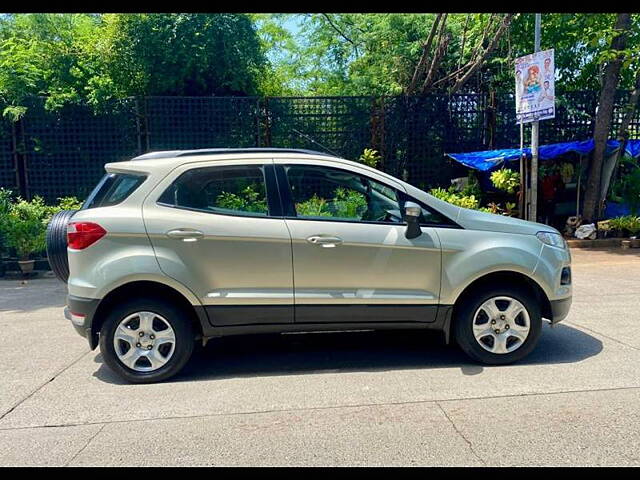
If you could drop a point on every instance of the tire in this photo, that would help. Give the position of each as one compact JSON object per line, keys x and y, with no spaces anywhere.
{"x":163,"y":311}
{"x":57,"y":244}
{"x":469,"y":313}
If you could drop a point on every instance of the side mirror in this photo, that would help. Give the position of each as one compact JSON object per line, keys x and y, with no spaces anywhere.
{"x":412,"y":212}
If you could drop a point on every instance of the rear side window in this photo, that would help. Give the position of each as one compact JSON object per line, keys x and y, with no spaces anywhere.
{"x":229,"y":190}
{"x":113,"y":189}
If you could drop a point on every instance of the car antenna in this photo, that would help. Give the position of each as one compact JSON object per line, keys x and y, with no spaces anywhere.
{"x":317,"y":143}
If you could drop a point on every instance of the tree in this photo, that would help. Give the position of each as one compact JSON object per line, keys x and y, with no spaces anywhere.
{"x":183,"y":54}
{"x":380,"y":54}
{"x":424,"y":77}
{"x":47,"y":54}
{"x":623,"y":135}
{"x":615,"y":57}
{"x":285,"y":74}
{"x":94,"y":58}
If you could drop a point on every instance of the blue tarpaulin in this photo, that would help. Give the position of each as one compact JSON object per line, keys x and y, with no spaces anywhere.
{"x":491,"y":159}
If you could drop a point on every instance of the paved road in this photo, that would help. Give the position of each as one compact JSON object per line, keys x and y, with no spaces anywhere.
{"x":332,"y":399}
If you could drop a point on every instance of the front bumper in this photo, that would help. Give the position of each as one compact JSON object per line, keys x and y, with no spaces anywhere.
{"x":80,"y":312}
{"x":560,"y":309}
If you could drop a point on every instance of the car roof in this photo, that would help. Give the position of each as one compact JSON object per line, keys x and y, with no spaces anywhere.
{"x":162,"y":162}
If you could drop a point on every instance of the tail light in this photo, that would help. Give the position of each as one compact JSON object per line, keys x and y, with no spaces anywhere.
{"x":81,"y":235}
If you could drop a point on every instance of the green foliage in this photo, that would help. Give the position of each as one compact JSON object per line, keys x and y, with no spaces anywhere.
{"x":23,"y":223}
{"x":95,"y":58}
{"x":581,"y":42}
{"x":548,"y":169}
{"x":472,"y":187}
{"x":376,"y":54}
{"x":183,"y":54}
{"x":247,"y":200}
{"x":24,"y":226}
{"x":47,"y":54}
{"x":346,"y":203}
{"x":98,"y":57}
{"x":68,"y":203}
{"x":452,"y":196}
{"x":358,"y":54}
{"x":506,"y":179}
{"x":5,"y":205}
{"x":282,"y":50}
{"x":628,"y":224}
{"x":567,"y":172}
{"x":5,"y":200}
{"x":313,"y":207}
{"x":370,"y":157}
{"x":629,"y":190}
{"x":471,"y":201}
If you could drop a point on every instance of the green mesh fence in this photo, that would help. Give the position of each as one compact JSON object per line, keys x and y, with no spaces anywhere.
{"x":62,"y":153}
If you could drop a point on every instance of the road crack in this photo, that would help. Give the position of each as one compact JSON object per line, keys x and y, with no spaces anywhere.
{"x":85,"y":445}
{"x":327,"y":407}
{"x":577,"y":325}
{"x":40,"y":387}
{"x":459,"y":432}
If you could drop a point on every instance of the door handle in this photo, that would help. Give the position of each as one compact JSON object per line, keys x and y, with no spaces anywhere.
{"x":185,"y":234}
{"x":326,"y":242}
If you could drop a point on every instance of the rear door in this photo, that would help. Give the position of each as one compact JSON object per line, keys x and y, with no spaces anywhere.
{"x":351,"y":259}
{"x":217,"y":228}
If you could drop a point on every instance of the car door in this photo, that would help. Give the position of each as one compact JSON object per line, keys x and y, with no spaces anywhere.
{"x":351,"y":260}
{"x":217,"y":229}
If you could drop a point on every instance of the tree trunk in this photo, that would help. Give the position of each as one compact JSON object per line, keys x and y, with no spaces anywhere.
{"x":604,"y":116}
{"x":623,"y":134}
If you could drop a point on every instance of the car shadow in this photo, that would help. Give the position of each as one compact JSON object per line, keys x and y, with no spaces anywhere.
{"x":317,"y":353}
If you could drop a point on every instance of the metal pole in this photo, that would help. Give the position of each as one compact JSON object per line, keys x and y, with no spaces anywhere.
{"x":578,"y":188}
{"x":523,"y":183}
{"x":535,"y":128}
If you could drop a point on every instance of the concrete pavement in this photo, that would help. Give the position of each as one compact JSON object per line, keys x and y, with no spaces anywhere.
{"x":386,"y":398}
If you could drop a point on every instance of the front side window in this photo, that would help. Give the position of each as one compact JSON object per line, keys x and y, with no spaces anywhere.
{"x":225,"y":190}
{"x":330,"y":193}
{"x":429,"y":217}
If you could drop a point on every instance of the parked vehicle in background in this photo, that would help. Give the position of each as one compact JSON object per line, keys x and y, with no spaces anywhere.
{"x":177,"y":247}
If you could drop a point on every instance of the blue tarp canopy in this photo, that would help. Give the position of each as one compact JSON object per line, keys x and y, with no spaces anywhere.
{"x":491,"y":159}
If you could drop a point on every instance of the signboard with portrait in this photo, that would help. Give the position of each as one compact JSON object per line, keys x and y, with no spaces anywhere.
{"x":535,"y":87}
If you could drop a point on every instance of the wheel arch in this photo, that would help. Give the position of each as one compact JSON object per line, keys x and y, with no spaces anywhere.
{"x":508,"y":278}
{"x":147,"y":289}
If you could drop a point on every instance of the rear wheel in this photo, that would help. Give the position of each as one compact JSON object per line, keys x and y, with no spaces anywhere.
{"x":498,"y":326}
{"x":147,"y":340}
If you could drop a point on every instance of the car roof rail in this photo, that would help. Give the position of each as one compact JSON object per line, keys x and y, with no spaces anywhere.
{"x":221,"y":151}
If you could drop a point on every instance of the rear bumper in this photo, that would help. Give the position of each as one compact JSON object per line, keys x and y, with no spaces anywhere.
{"x":560,"y":309}
{"x":80,"y":312}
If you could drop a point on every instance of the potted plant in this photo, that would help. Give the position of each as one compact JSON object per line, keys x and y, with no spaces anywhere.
{"x":628,"y":225}
{"x":24,"y":230}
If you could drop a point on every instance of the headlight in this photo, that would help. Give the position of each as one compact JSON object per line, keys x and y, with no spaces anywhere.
{"x":553,"y":239}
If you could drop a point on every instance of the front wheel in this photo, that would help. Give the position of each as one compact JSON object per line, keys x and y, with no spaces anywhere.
{"x":146,"y":340}
{"x":498,"y":326}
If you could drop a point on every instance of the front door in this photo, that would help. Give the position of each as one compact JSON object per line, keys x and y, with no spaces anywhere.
{"x":215,"y":229}
{"x":351,"y":260}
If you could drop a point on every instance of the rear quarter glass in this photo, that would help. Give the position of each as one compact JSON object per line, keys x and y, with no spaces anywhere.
{"x":112,"y":189}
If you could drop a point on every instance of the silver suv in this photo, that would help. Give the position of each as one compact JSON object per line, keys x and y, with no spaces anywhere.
{"x":174,"y":248}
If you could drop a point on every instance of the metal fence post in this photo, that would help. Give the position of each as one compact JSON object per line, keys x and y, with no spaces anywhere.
{"x":20,"y":158}
{"x":138,"y":126}
{"x":266,"y":121}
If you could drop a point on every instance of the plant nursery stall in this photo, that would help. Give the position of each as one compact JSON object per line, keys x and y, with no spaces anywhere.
{"x":563,"y":169}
